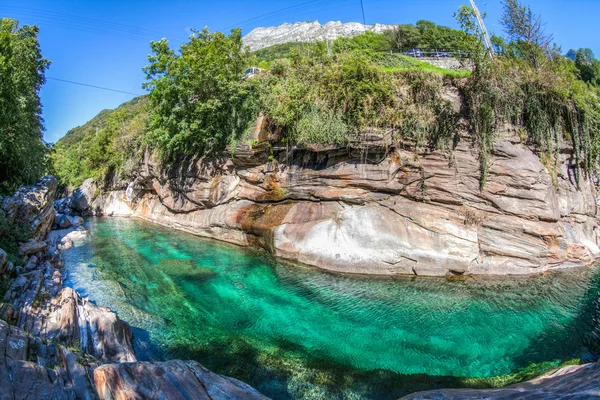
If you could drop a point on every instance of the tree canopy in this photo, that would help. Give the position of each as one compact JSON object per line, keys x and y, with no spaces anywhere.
{"x":199,"y":100}
{"x":427,"y":36}
{"x":22,"y":68}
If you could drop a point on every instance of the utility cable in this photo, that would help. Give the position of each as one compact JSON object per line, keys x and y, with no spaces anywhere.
{"x":94,"y":86}
{"x":362,"y":7}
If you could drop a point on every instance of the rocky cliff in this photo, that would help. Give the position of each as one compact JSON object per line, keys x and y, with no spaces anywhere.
{"x":374,"y":208}
{"x":56,"y":345}
{"x":310,"y":31}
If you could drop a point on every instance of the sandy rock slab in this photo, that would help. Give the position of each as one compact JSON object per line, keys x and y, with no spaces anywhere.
{"x":171,"y":380}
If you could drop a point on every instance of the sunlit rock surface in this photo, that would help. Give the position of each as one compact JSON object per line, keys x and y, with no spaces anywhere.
{"x":310,"y":31}
{"x":169,"y":380}
{"x":377,"y":210}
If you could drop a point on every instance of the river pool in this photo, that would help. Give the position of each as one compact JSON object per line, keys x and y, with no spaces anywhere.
{"x":295,"y":332}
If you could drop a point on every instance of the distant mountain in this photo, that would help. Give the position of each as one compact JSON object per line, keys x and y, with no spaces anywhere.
{"x":307,"y":32}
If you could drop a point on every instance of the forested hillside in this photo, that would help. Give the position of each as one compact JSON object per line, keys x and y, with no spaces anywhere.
{"x":104,"y":144}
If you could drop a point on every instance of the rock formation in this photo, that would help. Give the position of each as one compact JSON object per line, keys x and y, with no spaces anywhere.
{"x":52,"y":341}
{"x":574,"y":382}
{"x":375,"y":208}
{"x":169,"y":380}
{"x":310,"y":31}
{"x":32,"y":206}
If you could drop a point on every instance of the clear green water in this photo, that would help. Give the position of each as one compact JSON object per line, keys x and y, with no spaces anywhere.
{"x":299,"y":333}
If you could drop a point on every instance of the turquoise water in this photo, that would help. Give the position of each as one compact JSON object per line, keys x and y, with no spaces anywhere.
{"x":299,"y":333}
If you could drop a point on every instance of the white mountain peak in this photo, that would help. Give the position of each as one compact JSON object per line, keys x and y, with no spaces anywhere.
{"x":309,"y":31}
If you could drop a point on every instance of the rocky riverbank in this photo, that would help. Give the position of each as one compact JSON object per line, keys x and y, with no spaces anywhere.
{"x":56,"y":345}
{"x":372,"y":208}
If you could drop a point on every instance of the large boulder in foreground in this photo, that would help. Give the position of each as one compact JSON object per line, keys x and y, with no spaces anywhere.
{"x":573,"y":382}
{"x":33,"y":206}
{"x":171,"y":380}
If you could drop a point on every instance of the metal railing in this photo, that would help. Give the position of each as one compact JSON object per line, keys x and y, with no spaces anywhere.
{"x":433,"y":54}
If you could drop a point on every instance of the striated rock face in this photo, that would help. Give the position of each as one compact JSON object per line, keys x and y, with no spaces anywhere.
{"x":33,"y":206}
{"x":574,"y":382}
{"x":378,"y":209}
{"x":168,"y":380}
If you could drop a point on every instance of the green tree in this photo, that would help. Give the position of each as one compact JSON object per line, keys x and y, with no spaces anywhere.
{"x":199,"y":100}
{"x":404,"y":37}
{"x":427,"y":36}
{"x":369,"y":41}
{"x":526,"y":31}
{"x":588,"y":66}
{"x":22,"y":67}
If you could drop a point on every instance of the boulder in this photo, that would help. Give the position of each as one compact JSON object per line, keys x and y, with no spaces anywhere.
{"x":80,"y":201}
{"x":32,"y":247}
{"x":3,"y":260}
{"x":76,"y":221}
{"x":63,"y":221}
{"x":33,"y":206}
{"x":168,"y":380}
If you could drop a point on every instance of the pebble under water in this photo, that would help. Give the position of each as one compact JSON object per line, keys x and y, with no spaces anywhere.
{"x":295,"y":332}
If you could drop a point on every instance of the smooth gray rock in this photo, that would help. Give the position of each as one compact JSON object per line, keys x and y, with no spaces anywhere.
{"x":379,"y":209}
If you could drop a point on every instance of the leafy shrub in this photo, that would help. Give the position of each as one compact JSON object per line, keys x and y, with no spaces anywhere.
{"x":321,"y":127}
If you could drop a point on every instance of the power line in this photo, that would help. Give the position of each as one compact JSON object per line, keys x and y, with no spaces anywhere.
{"x":295,"y":9}
{"x":93,"y":86}
{"x":362,"y":7}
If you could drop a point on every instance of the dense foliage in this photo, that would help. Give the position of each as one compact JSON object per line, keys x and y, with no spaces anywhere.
{"x":319,"y":99}
{"x":22,"y":68}
{"x":587,"y":65}
{"x":427,"y":36}
{"x":199,"y":101}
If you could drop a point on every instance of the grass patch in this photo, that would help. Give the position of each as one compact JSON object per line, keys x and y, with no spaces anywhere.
{"x":400,"y":63}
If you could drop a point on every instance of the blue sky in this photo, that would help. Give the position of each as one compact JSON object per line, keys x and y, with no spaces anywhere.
{"x":106,"y":43}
